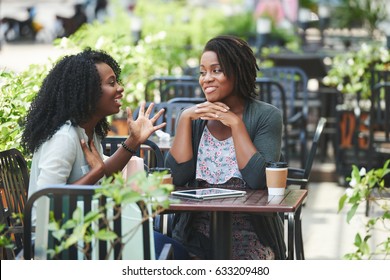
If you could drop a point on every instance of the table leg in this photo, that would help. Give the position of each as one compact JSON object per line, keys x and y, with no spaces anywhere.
{"x":221,"y":235}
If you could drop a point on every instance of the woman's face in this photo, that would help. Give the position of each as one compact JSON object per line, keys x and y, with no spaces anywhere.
{"x":109,"y":103}
{"x":216,"y":86}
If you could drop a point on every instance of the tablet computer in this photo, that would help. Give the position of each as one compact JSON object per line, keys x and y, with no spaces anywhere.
{"x":208,"y":193}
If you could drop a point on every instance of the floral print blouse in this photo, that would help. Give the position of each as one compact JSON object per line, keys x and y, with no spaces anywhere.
{"x":216,"y":160}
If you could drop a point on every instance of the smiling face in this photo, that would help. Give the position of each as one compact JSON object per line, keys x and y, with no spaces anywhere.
{"x":216,"y":86}
{"x":109,"y":103}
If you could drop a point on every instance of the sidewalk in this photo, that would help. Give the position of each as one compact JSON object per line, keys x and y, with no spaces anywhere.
{"x":18,"y":56}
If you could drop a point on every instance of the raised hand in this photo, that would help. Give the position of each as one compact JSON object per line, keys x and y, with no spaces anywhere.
{"x":141,"y":128}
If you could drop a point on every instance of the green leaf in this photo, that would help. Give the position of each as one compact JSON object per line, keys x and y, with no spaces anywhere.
{"x":59,"y":234}
{"x":342,"y":200}
{"x":351,"y":212}
{"x":107,"y":235}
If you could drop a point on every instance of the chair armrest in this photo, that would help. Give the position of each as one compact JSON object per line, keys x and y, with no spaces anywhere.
{"x":166,"y":252}
{"x":295,"y":173}
{"x":295,"y":181}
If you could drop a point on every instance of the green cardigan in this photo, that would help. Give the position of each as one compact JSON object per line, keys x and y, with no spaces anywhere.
{"x":264,"y":125}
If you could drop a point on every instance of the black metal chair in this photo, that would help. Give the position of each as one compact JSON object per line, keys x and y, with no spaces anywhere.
{"x":168,"y":87}
{"x":149,"y":151}
{"x":14,"y":181}
{"x":300,"y":177}
{"x":62,"y":201}
{"x":294,"y":81}
{"x":194,"y":100}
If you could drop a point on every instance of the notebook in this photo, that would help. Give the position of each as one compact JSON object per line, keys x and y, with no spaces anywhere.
{"x":208,"y":193}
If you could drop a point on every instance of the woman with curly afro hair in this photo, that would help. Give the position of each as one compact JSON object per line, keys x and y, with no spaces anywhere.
{"x":67,"y":121}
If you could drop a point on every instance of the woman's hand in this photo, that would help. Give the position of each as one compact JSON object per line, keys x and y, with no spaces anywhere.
{"x":216,"y":111}
{"x":94,"y":160}
{"x":205,"y":110}
{"x":141,"y":128}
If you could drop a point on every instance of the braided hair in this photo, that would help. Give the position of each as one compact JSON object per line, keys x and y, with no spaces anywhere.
{"x":237,"y":61}
{"x":70,"y":91}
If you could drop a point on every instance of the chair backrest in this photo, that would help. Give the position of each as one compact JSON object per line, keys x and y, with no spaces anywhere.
{"x":194,"y":100}
{"x":181,"y":89}
{"x":313,"y":150}
{"x":14,"y":180}
{"x":301,"y":176}
{"x":170,"y":116}
{"x":272,"y":92}
{"x":168,"y":87}
{"x":62,"y":201}
{"x":379,"y":76}
{"x":294,"y":81}
{"x":149,"y":150}
{"x":379,"y":123}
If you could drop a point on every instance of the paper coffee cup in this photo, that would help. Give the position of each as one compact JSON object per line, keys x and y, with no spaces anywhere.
{"x":276,"y":175}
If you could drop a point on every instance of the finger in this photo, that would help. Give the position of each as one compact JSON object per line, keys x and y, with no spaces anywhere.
{"x":129,"y":113}
{"x":210,"y":116}
{"x":93,"y":148}
{"x":222,"y":106}
{"x":203,"y":104}
{"x":218,"y":106}
{"x":141,"y":108}
{"x":84,"y":146}
{"x":157,"y":127}
{"x":149,"y":110}
{"x":157,"y":115}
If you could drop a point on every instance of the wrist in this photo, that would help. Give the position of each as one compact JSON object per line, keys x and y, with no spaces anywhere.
{"x":129,"y":148}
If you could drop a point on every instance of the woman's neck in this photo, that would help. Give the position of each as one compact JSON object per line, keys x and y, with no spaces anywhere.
{"x":89,"y":130}
{"x":235,"y":104}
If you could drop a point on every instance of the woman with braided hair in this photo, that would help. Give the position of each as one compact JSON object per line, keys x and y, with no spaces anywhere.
{"x":67,"y":121}
{"x":226,"y":141}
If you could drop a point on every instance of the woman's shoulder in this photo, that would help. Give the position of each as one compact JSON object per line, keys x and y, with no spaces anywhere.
{"x":67,"y":128}
{"x":68,"y":132}
{"x":261,"y":107}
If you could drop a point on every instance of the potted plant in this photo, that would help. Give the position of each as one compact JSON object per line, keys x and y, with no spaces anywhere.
{"x":350,"y":72}
{"x":361,"y":14}
{"x":369,"y":187}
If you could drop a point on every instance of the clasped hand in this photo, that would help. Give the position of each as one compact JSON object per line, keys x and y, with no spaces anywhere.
{"x":214,"y":111}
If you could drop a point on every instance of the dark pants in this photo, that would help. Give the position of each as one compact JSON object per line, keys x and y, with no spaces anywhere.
{"x":179,"y":252}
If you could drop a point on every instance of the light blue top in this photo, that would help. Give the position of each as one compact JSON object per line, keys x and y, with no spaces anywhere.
{"x":60,"y":160}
